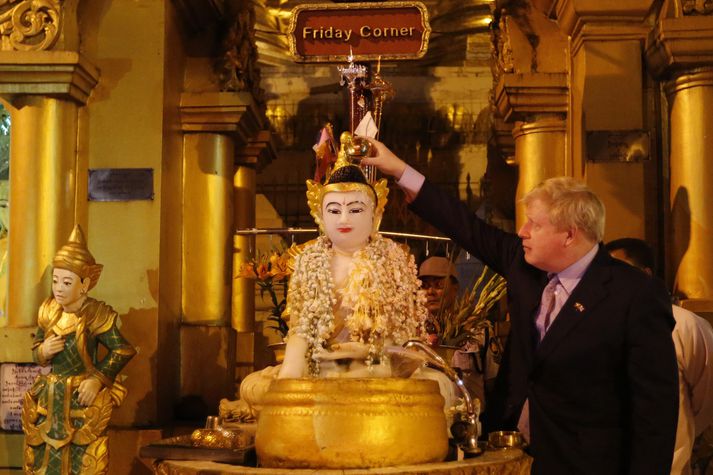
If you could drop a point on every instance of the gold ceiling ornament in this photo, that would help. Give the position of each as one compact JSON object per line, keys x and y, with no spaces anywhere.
{"x":697,"y":7}
{"x":237,"y":66}
{"x":377,"y":191}
{"x":503,"y":61}
{"x":29,"y":25}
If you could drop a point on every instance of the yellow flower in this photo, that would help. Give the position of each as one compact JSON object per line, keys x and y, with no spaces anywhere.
{"x":278,"y":266}
{"x":247,"y":270}
{"x":263,"y":271}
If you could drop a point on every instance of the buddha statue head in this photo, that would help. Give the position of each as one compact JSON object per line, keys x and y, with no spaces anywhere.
{"x":347,"y":208}
{"x":74,"y":272}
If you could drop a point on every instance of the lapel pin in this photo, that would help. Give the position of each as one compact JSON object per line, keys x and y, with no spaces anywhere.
{"x":579,"y":307}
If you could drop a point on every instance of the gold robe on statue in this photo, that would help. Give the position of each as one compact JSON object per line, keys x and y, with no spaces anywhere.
{"x":62,"y":436}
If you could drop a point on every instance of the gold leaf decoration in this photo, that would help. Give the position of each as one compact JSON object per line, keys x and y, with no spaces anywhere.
{"x":96,"y":419}
{"x":96,"y":457}
{"x":29,"y":25}
{"x":29,"y":419}
{"x":29,"y":459}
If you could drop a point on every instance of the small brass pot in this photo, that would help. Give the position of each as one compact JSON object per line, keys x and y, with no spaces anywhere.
{"x":351,"y":423}
{"x":505,"y":439}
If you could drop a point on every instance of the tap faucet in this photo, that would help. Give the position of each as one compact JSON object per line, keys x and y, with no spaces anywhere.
{"x":465,"y":428}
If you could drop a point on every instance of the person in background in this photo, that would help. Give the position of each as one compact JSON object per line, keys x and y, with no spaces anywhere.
{"x":589,"y":373}
{"x":440,"y":281}
{"x":693,"y":341}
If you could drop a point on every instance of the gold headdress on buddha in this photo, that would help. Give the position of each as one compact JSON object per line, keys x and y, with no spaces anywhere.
{"x":74,"y":256}
{"x":347,"y":176}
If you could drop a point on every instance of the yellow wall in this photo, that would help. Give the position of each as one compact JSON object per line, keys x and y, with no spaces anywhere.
{"x":129,"y":123}
{"x":609,"y":95}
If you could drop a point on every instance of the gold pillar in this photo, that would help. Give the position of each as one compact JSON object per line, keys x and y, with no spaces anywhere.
{"x":243,"y":315}
{"x":537,"y":103}
{"x":207,"y":228}
{"x":690,"y":97}
{"x":532,"y":91}
{"x":539,"y":153}
{"x":45,"y":90}
{"x":214,"y":123}
{"x":42,"y":201}
{"x":678,"y":51}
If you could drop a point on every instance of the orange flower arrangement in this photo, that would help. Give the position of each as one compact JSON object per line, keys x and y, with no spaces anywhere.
{"x":271,"y":272}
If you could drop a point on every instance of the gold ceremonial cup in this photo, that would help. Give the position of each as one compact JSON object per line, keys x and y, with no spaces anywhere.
{"x":351,"y":423}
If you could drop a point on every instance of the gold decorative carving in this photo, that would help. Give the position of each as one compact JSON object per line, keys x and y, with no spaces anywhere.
{"x":502,"y":51}
{"x":29,"y":25}
{"x":697,"y":7}
{"x":237,"y":68}
{"x":96,"y":457}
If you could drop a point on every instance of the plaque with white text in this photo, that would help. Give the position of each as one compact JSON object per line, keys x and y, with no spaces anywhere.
{"x":369,"y":31}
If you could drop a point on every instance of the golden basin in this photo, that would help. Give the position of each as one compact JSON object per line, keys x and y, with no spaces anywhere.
{"x":351,"y":423}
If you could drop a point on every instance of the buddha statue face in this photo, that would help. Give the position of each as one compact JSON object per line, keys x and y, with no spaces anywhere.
{"x":69,"y":289}
{"x":348,"y":218}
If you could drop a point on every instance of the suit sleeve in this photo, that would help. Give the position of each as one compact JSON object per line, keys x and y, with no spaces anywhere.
{"x":653,"y":382}
{"x":449,"y":215}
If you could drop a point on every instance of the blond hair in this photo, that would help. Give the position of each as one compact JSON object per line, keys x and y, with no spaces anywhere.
{"x":571,"y":205}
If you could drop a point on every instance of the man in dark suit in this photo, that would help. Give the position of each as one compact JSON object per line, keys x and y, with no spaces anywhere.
{"x":589,"y":375}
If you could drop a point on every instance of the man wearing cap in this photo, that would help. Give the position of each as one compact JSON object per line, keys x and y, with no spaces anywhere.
{"x":440,"y":281}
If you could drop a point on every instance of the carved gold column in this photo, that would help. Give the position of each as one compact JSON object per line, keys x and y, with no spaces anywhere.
{"x":214,"y":123}
{"x":243,"y":293}
{"x":540,"y":102}
{"x":249,"y":158}
{"x":540,"y":154}
{"x":680,"y":52}
{"x":531,"y":91}
{"x":254,"y":154}
{"x":47,"y":183}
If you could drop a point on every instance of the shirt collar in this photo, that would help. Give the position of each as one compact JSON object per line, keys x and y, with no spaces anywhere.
{"x":570,"y":277}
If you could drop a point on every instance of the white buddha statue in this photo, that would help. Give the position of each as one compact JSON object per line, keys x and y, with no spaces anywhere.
{"x":353,"y":294}
{"x":354,"y":297}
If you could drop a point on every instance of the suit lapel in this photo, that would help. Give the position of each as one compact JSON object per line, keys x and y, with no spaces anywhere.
{"x":580,"y":305}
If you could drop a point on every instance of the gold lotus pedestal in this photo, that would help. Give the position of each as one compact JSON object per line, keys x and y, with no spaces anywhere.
{"x":351,"y":423}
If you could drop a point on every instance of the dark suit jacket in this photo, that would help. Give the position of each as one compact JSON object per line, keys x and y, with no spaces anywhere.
{"x":602,"y":384}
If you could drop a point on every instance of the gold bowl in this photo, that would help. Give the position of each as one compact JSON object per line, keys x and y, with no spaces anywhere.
{"x":505,"y":439}
{"x":351,"y":423}
{"x":220,"y":438}
{"x":358,"y":147}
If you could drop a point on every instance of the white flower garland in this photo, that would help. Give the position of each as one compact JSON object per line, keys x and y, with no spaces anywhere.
{"x":382,"y":291}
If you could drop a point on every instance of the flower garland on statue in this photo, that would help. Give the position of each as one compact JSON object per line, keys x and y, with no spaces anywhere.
{"x":382,"y":291}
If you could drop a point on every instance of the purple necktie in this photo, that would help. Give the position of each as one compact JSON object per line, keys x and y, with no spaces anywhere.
{"x":546,"y":314}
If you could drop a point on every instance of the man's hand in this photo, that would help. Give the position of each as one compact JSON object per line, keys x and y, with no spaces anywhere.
{"x":384,"y":159}
{"x":51,"y":346}
{"x":88,"y":390}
